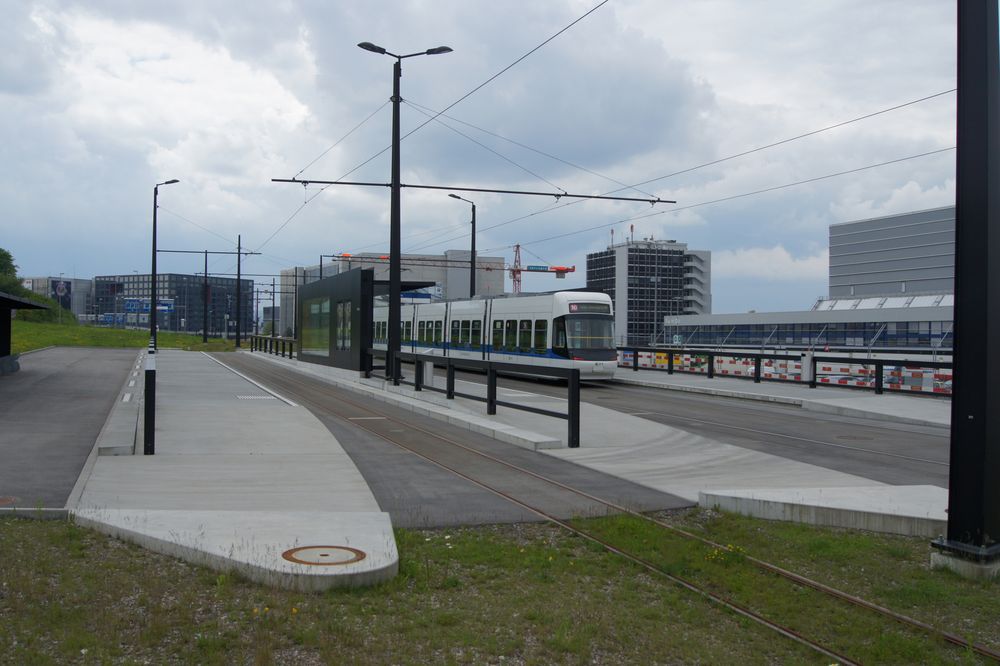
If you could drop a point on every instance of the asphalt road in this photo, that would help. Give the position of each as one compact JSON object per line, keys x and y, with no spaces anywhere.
{"x":419,"y":493}
{"x":50,"y":415}
{"x":883,"y":451}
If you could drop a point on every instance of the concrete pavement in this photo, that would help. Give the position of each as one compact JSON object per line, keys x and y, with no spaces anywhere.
{"x":242,"y":479}
{"x":676,"y":461}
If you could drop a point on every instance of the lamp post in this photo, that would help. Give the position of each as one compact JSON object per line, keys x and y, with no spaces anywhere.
{"x":152,"y":273}
{"x":472,"y":254}
{"x":149,"y":424}
{"x":60,"y":297}
{"x":394,"y":232}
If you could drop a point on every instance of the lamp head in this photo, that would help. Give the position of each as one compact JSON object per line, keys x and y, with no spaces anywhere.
{"x":437,"y":50}
{"x":368,"y":46}
{"x":171,"y":182}
{"x":454,"y":196}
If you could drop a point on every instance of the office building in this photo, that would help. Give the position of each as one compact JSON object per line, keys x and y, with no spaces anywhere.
{"x":72,"y":294}
{"x":649,"y":280}
{"x":123,"y":300}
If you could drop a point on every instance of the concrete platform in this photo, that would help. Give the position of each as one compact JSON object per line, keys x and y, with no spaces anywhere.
{"x":685,"y":464}
{"x":242,"y":480}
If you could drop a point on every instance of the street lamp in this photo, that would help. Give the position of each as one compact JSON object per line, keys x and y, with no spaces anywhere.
{"x":394,"y":233}
{"x":472,"y":255}
{"x":152,"y":276}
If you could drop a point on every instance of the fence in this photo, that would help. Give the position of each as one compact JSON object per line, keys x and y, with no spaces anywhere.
{"x":899,"y":375}
{"x":493,"y":370}
{"x":273,"y":345}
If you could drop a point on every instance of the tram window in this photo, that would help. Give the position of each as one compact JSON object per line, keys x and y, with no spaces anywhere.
{"x":407,"y":331}
{"x":438,"y":326}
{"x":559,"y":333}
{"x":511,"y":335}
{"x":477,"y":333}
{"x":524,"y":336}
{"x":455,"y":327}
{"x":421,"y":332}
{"x":497,"y":335}
{"x":465,"y":333}
{"x":541,"y":329}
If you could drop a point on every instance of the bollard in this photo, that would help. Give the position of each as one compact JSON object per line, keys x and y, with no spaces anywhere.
{"x":635,"y":360}
{"x":670,"y":363}
{"x":491,"y":391}
{"x":756,"y":370}
{"x":879,"y":377}
{"x":149,"y":424}
{"x":573,"y":439}
{"x":711,"y":366}
{"x":450,"y":384}
{"x":418,"y":375}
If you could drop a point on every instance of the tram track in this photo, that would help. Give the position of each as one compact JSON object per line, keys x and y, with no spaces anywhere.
{"x":474,"y":466}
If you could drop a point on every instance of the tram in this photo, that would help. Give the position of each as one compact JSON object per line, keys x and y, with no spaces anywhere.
{"x":564,"y":329}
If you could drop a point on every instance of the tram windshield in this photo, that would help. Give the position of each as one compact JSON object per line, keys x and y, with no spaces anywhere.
{"x":590,"y":332}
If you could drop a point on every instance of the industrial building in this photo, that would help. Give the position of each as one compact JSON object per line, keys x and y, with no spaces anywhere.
{"x":648,"y":281}
{"x":891,"y":286}
{"x":123,"y":300}
{"x":449,"y":272}
{"x":72,"y":294}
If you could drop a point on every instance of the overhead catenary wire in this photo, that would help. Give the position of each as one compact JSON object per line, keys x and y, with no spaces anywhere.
{"x":425,"y":123}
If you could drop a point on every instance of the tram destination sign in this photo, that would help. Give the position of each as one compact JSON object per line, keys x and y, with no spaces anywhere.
{"x":600,"y":308}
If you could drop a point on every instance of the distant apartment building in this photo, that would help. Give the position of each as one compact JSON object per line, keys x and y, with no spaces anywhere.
{"x":123,"y":300}
{"x":649,"y":280}
{"x":449,"y":272}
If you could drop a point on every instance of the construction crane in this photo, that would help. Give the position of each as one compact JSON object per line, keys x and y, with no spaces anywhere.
{"x":516,"y":269}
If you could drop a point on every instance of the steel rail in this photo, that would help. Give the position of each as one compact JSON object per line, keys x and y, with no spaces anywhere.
{"x":948,"y":637}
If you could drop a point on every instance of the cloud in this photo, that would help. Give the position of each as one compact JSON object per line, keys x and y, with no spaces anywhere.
{"x":769,"y":263}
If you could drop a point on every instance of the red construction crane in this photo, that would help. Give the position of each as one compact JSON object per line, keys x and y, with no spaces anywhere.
{"x":516,"y":269}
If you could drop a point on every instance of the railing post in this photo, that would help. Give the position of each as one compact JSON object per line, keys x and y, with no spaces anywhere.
{"x":711,"y":365}
{"x":670,"y":363}
{"x":812,"y":371}
{"x":574,"y":409}
{"x":491,"y":391}
{"x":756,"y":369}
{"x":635,"y":360}
{"x":397,"y":369}
{"x":879,"y":374}
{"x":450,"y":383}
{"x":418,"y":374}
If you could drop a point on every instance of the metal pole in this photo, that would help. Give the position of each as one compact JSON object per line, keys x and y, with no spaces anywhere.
{"x":152,"y":276}
{"x":272,"y":308}
{"x":472,"y":256}
{"x":149,"y":398}
{"x":295,"y":304}
{"x":204,"y":301}
{"x":239,"y":289}
{"x":395,"y":314}
{"x":321,"y":267}
{"x":973,"y":489}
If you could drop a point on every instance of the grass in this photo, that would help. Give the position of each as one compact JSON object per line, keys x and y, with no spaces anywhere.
{"x":26,"y":336}
{"x":523,"y":594}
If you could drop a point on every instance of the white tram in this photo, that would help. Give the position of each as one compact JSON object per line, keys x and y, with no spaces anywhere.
{"x":564,"y":329}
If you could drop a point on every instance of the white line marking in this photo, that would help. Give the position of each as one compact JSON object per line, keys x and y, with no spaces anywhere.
{"x":127,"y":397}
{"x":365,"y":418}
{"x":255,"y":383}
{"x":640,"y":413}
{"x":131,"y":383}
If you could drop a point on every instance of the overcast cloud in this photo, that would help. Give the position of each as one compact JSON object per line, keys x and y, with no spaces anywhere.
{"x":100,"y":100}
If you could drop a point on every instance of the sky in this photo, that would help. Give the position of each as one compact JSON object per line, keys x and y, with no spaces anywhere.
{"x":101,"y":100}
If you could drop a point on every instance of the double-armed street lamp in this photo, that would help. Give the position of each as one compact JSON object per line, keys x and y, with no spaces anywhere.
{"x":394,"y":232}
{"x":472,"y":255}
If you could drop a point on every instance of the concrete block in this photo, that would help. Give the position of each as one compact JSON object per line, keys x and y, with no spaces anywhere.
{"x":964,"y":567}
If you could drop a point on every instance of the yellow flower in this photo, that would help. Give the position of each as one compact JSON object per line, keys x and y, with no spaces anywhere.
{"x":294,"y":610}
{"x":255,"y":611}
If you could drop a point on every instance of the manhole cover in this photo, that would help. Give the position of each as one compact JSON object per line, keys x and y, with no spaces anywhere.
{"x":324,"y":556}
{"x":7,"y":500}
{"x":855,"y":438}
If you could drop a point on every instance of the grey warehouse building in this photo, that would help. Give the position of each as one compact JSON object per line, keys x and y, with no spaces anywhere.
{"x":649,"y":280}
{"x":891,"y":285}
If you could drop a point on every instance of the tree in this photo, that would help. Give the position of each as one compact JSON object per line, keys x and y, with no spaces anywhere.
{"x":7,"y":266}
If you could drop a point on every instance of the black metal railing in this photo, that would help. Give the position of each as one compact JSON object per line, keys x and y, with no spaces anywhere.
{"x":870,"y":373}
{"x":493,"y":370}
{"x":273,"y":345}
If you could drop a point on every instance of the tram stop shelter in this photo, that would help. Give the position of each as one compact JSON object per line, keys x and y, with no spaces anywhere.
{"x":9,"y":303}
{"x":334,"y":317}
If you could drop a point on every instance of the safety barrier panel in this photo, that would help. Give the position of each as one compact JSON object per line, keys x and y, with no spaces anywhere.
{"x":901,"y":375}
